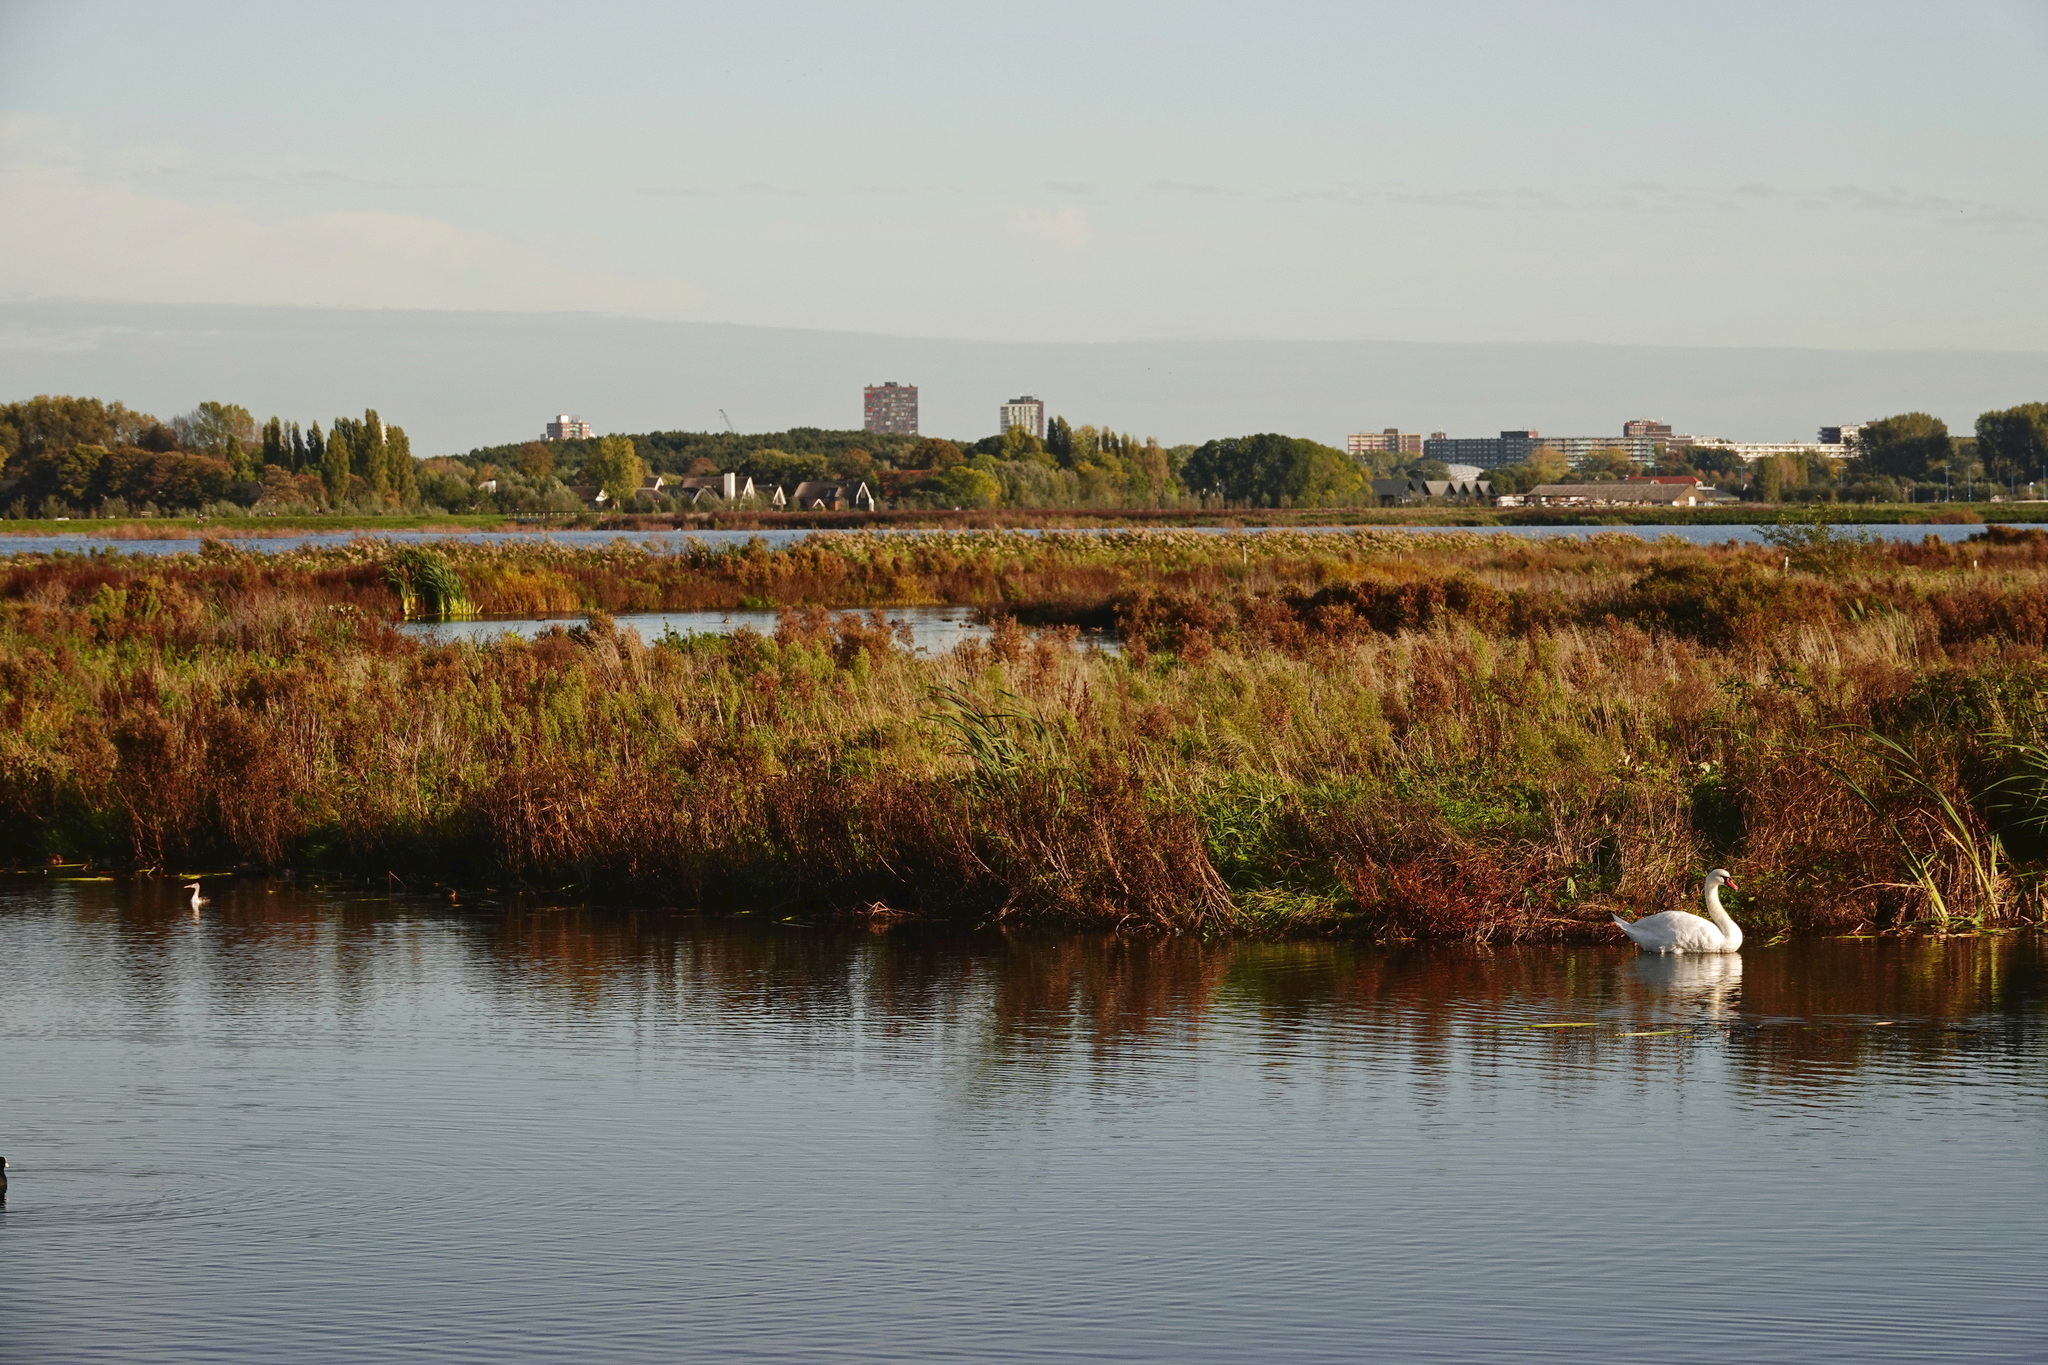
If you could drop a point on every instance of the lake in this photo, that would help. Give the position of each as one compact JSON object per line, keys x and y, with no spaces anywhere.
{"x":187,"y":543}
{"x":316,"y":1125}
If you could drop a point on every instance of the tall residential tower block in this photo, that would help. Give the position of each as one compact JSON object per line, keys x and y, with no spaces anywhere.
{"x":890,"y":408}
{"x":1026,"y":412}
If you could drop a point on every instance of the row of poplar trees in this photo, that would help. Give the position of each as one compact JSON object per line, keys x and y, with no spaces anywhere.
{"x":379,"y":455}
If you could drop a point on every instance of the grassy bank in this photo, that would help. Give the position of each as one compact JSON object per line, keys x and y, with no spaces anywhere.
{"x":1397,"y":735}
{"x":150,"y":528}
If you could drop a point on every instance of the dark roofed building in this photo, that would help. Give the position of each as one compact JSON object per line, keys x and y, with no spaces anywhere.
{"x":832,"y":495}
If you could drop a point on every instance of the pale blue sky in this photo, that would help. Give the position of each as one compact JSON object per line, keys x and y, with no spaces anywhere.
{"x":1824,"y":174}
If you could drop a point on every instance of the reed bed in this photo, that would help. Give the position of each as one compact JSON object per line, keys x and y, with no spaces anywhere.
{"x":1371,"y":733}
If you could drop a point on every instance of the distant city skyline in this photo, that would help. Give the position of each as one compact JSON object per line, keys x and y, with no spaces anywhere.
{"x":457,"y":380}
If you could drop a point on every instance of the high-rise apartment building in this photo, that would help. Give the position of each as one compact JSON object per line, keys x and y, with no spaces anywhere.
{"x":1643,"y":441}
{"x":890,"y":408}
{"x":1392,"y":441}
{"x":1486,"y":452}
{"x":567,"y":428}
{"x":1026,"y":412}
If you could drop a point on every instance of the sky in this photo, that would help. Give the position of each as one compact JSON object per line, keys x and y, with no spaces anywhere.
{"x":1837,"y":176}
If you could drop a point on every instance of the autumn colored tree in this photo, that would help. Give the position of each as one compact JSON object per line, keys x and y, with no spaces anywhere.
{"x":50,"y":421}
{"x":933,"y":453}
{"x":536,"y":459}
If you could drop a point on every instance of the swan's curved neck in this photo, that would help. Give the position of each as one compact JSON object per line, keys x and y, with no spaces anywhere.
{"x":1727,"y":926}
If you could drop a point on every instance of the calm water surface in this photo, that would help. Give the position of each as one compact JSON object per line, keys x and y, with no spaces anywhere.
{"x":933,"y":630}
{"x":310,"y":1126}
{"x":187,"y":543}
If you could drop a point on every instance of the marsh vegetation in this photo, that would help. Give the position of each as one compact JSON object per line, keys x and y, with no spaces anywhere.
{"x":1388,"y":734}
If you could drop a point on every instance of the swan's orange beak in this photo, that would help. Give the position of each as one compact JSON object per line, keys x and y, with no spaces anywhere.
{"x":1730,"y":884}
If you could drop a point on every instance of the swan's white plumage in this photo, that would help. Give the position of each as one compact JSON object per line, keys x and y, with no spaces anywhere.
{"x":1676,"y":931}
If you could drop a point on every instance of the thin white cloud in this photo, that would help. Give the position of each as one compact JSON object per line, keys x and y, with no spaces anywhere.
{"x":1069,"y":224}
{"x":66,"y":231}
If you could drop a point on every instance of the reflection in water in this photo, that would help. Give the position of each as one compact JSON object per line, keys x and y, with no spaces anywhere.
{"x":1707,"y":985}
{"x":318,"y":1125}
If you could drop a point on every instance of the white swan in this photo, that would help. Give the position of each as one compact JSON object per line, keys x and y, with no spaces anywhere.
{"x":1675,"y":931}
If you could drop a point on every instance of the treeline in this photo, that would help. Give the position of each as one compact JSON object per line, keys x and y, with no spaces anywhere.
{"x":63,"y":456}
{"x":1909,"y":457}
{"x":1071,"y":466}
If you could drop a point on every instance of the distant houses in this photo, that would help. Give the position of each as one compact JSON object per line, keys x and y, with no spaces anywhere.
{"x":1646,"y":491}
{"x":1405,"y":492}
{"x":832,"y":495}
{"x":734,"y":489}
{"x":694,"y":489}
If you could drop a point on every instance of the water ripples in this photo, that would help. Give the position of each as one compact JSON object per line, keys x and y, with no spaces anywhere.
{"x":313,"y":1128}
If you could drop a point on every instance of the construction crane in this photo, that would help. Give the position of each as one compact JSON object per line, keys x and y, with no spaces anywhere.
{"x":728,"y":423}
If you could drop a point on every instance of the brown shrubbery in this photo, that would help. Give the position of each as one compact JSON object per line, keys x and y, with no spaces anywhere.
{"x":1404,"y":736}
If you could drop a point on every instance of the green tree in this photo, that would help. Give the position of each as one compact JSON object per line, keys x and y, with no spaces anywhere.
{"x":337,"y":461}
{"x":1770,"y":479}
{"x":615,"y":467}
{"x":1513,"y":478}
{"x":784,"y":469}
{"x":369,"y":453}
{"x":225,"y":431}
{"x":1266,"y":469}
{"x":2012,"y":443}
{"x":1911,"y":445}
{"x":276,"y":444}
{"x":1059,"y":442}
{"x":1019,"y":444}
{"x":1610,"y":462}
{"x":963,"y":485}
{"x":1710,"y":460}
{"x":404,"y":472}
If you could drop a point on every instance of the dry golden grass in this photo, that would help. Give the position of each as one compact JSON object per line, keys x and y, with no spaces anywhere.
{"x":1401,"y":736}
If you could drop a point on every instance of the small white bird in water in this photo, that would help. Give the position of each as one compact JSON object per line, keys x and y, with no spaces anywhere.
{"x":1675,"y":931}
{"x":197,"y":899}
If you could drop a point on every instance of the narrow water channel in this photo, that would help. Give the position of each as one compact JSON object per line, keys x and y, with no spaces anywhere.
{"x":327,"y":1126}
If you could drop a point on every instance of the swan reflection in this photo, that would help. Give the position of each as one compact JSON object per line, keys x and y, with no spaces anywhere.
{"x":1711,"y":982}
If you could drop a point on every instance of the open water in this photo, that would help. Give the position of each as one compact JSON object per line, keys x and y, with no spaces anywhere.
{"x":313,"y":1126}
{"x":188,"y":543}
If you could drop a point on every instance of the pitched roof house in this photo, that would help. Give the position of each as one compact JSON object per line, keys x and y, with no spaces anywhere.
{"x":833,"y":495}
{"x":1390,"y":492}
{"x":726,"y":487}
